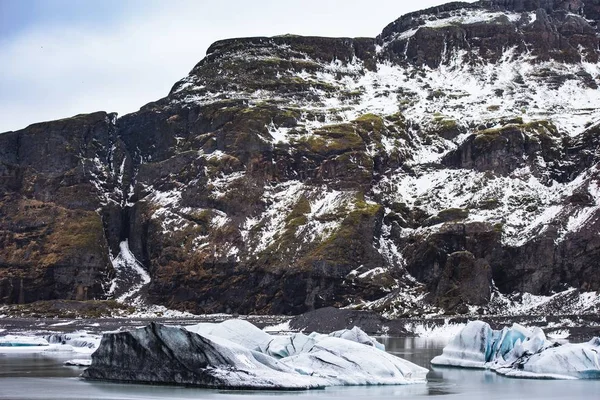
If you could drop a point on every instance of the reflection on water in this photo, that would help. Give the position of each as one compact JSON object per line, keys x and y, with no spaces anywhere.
{"x":36,"y":365}
{"x":417,"y":350}
{"x":42,"y":377}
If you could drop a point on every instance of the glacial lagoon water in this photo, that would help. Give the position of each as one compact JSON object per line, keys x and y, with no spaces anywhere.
{"x":42,"y":377}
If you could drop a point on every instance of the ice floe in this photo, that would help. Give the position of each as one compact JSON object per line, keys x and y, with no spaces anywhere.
{"x":236,"y":354}
{"x":520,"y":352}
{"x":15,"y":343}
{"x":80,"y":343}
{"x":79,"y":362}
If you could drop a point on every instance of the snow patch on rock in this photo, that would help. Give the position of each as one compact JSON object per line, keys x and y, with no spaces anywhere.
{"x":130,"y":279}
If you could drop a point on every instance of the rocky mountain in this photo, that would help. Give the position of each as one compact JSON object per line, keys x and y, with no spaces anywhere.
{"x":448,"y":165}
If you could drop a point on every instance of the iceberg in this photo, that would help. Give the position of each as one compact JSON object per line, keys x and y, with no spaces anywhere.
{"x":471,"y":348}
{"x":520,"y":352}
{"x":14,"y":343}
{"x":78,"y":362}
{"x":78,"y":342}
{"x":570,"y":361}
{"x":235,"y":354}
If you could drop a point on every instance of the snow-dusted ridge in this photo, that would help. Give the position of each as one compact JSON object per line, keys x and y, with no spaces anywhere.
{"x":464,"y":92}
{"x":459,"y":17}
{"x":403,"y":301}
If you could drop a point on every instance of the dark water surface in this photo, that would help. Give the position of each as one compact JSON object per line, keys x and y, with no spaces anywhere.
{"x":44,"y":377}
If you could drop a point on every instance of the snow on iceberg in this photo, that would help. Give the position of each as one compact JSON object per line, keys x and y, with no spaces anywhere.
{"x":357,"y":335}
{"x":520,"y":352}
{"x":570,"y":361}
{"x":236,"y":354}
{"x":344,"y":362}
{"x":238,"y":331}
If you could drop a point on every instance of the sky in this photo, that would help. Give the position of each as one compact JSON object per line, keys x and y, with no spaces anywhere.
{"x":59,"y":58}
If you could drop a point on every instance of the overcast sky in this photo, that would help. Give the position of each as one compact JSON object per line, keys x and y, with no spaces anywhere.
{"x":59,"y":58}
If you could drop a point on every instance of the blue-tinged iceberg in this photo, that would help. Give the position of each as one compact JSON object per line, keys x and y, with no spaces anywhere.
{"x":236,"y":354}
{"x":520,"y":352}
{"x":569,"y":361}
{"x":23,"y":342}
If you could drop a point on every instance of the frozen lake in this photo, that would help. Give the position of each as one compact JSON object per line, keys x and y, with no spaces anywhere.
{"x":44,"y":377}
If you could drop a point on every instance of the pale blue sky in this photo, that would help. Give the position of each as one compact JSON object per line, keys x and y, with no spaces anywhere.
{"x":59,"y":58}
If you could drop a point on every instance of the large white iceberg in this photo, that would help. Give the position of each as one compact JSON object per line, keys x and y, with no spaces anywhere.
{"x":236,"y":354}
{"x":520,"y":352}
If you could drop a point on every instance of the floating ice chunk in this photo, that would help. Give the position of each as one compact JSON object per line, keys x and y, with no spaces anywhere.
{"x":521,"y":352}
{"x":236,"y":354}
{"x":471,"y":348}
{"x":79,"y":362}
{"x":28,"y":344}
{"x":22,"y":341}
{"x":357,"y":335}
{"x":570,"y":361}
{"x":80,"y":342}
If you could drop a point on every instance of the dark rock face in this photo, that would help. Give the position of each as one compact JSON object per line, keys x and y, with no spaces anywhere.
{"x":330,"y":319}
{"x":52,"y":241}
{"x":541,"y":266}
{"x":291,"y":173}
{"x":559,"y":32}
{"x":513,"y":146}
{"x":464,"y":280}
{"x":429,"y":258}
